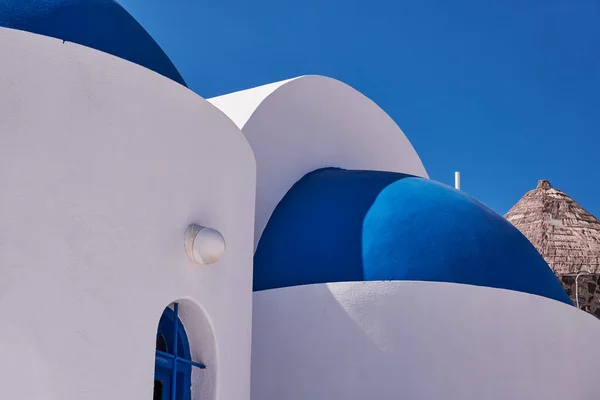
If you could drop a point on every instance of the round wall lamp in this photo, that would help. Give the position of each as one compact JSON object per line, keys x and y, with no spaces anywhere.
{"x":204,"y":245}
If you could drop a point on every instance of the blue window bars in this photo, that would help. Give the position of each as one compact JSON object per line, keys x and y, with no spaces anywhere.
{"x":173,"y":367}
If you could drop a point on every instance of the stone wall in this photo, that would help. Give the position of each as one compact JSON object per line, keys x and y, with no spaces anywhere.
{"x":588,"y":291}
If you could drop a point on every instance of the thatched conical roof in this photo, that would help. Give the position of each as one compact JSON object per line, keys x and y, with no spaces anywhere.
{"x":565,"y":234}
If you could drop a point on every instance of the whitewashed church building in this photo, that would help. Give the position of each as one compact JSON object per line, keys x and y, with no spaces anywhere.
{"x":278,"y":243}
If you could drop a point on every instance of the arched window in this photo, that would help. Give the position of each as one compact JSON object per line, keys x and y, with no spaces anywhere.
{"x":173,"y":368}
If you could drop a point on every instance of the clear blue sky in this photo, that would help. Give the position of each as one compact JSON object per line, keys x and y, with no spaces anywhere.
{"x":507,"y":92}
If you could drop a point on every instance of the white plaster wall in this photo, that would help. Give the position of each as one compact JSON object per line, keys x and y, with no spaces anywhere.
{"x":239,"y":106}
{"x":197,"y":325}
{"x":311,"y":122}
{"x":103,"y":164}
{"x":419,"y":340}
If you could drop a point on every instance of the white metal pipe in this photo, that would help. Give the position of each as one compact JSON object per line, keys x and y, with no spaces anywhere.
{"x":457,"y":180}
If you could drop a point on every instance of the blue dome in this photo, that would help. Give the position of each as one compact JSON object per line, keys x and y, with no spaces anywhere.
{"x":336,"y":225}
{"x":100,"y":24}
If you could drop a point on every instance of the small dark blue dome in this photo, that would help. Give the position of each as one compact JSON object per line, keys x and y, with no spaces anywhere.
{"x":100,"y":24}
{"x":336,"y":225}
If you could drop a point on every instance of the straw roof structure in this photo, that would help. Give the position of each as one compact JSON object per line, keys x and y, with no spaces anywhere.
{"x":565,"y":234}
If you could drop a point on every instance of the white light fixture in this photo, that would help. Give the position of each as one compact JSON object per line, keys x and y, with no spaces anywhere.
{"x":457,"y":180}
{"x":204,"y":245}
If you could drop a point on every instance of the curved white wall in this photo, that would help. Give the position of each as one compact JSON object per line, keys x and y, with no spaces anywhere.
{"x":203,"y":346}
{"x":419,"y":340}
{"x":311,"y":122}
{"x":103,"y":164}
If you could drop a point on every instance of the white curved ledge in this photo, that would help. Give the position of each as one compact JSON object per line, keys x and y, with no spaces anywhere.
{"x":419,"y":340}
{"x":310,"y":122}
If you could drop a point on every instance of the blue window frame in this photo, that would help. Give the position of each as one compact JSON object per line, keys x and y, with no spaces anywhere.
{"x":173,"y":367}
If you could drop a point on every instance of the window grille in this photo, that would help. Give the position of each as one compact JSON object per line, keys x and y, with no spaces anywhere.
{"x":173,"y":366}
